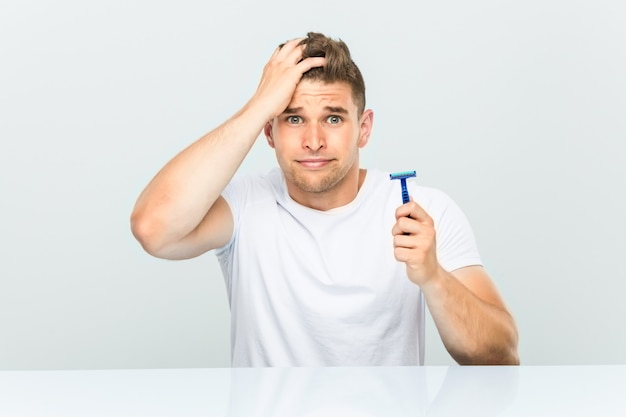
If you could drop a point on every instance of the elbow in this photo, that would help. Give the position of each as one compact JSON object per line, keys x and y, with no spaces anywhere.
{"x":514,"y":359}
{"x":510,"y":354}
{"x":493,"y":352}
{"x":500,"y":348}
{"x":148,"y":233}
{"x":503,"y":353}
{"x":500,"y":356}
{"x":507,"y":356}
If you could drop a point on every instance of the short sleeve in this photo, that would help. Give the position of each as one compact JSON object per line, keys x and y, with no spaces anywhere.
{"x":456,"y":243}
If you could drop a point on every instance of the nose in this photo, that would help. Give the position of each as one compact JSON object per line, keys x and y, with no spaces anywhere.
{"x":314,"y":138}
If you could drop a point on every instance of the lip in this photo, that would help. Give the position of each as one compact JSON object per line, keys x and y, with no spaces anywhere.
{"x":314,"y":163}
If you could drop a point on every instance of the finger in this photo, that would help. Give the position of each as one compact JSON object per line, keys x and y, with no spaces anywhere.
{"x":292,"y":42}
{"x":414,"y":211}
{"x":284,"y":49}
{"x":289,"y":46}
{"x":406,"y":225}
{"x":311,"y":62}
{"x":289,"y":53}
{"x":402,"y":254}
{"x":405,"y":241}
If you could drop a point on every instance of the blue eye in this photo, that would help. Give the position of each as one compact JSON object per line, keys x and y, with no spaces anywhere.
{"x":334,"y":120}
{"x":294,"y":120}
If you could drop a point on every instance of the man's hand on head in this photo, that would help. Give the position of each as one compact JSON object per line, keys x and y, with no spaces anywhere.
{"x":281,"y":75}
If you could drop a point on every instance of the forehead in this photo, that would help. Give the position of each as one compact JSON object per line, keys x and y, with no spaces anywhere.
{"x":317,"y":93}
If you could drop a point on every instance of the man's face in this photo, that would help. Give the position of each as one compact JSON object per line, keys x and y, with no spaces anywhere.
{"x":317,"y":140}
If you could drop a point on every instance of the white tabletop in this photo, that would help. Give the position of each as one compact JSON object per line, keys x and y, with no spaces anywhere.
{"x":369,"y":392}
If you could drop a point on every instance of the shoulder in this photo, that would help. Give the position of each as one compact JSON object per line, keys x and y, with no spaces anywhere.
{"x":250,"y":181}
{"x":433,"y":198}
{"x":244,"y":188}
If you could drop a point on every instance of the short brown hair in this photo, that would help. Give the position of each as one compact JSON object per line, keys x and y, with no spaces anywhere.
{"x":339,"y":65}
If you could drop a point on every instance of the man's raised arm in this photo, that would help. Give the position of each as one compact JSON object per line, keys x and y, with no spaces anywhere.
{"x":180,"y":214}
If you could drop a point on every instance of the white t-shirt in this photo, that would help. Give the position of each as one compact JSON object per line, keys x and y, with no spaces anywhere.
{"x":322,"y":288}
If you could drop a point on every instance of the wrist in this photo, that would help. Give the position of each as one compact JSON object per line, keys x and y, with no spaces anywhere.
{"x":435,"y":280}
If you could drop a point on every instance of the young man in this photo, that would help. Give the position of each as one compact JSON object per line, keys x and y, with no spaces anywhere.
{"x":321,"y":265}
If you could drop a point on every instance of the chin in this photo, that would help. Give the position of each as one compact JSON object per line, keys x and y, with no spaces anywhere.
{"x":317,"y":182}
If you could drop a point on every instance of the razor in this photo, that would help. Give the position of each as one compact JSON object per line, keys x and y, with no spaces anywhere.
{"x":402,"y":176}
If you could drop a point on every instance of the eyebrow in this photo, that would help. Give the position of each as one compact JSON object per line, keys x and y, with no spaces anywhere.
{"x":330,"y":109}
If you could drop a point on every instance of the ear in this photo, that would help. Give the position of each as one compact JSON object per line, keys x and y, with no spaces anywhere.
{"x":366,"y":123}
{"x":268,"y":134}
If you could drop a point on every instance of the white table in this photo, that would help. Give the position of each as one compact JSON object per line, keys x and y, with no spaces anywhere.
{"x":291,"y":392}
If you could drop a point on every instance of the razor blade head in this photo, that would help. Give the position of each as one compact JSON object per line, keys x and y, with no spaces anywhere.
{"x":400,"y":175}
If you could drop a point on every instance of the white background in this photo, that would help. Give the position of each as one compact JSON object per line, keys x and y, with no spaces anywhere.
{"x":516,"y":109}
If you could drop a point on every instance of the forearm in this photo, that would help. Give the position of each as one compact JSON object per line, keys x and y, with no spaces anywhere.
{"x":182,"y":192}
{"x":473,"y":330}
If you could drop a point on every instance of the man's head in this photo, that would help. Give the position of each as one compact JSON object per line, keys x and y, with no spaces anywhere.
{"x":318,"y":135}
{"x":339,"y":65}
